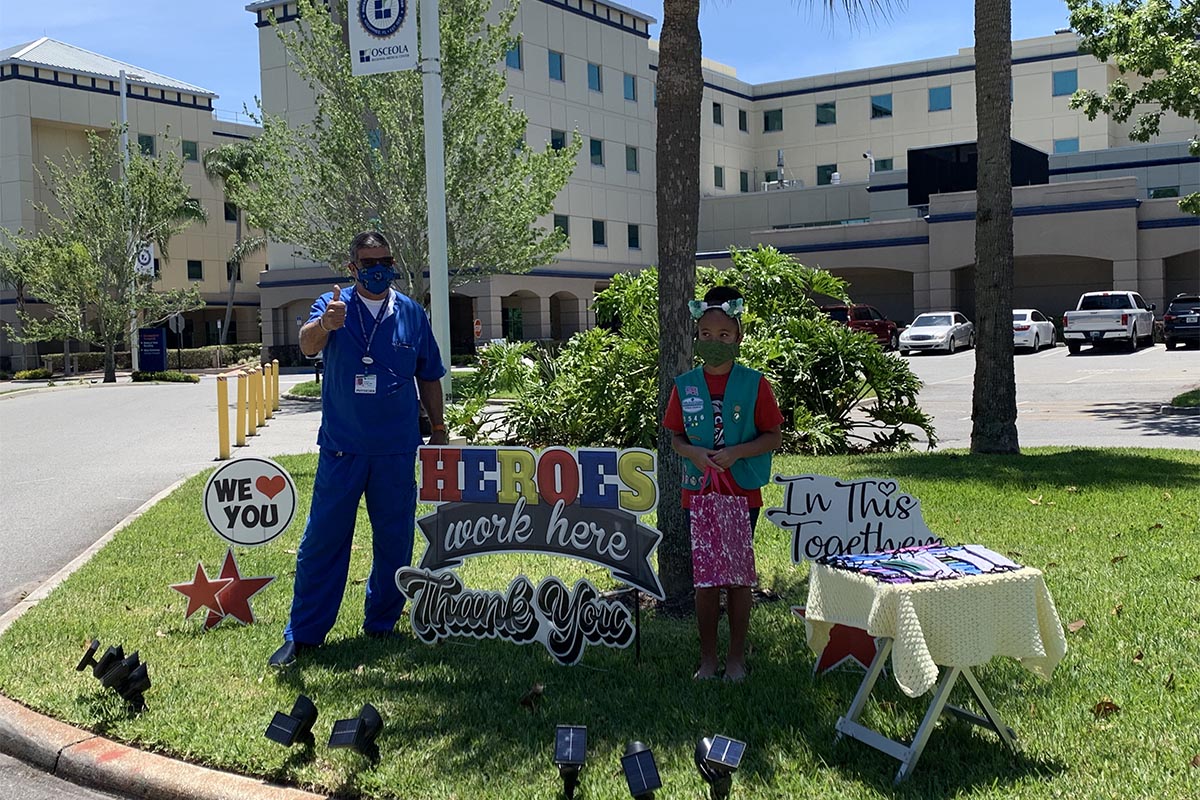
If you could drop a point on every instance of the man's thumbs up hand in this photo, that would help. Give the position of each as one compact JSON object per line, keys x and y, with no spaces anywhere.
{"x":335,"y":312}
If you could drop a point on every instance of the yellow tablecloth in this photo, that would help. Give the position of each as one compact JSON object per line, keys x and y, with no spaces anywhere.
{"x":953,"y":623}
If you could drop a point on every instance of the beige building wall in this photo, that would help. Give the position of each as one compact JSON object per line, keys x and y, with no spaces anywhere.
{"x":45,"y":114}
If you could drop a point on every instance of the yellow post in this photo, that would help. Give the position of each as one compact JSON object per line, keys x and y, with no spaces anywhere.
{"x":241,"y":408}
{"x":260,"y":381}
{"x":275,"y":390}
{"x":252,"y":403}
{"x":222,"y":418}
{"x":269,"y":381}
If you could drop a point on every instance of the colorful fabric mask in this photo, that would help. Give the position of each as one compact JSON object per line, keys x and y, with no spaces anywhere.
{"x":714,"y":353}
{"x":376,"y":279}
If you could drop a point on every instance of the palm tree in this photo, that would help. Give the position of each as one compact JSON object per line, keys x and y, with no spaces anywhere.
{"x":679,"y":91}
{"x":994,"y":403}
{"x":231,"y":164}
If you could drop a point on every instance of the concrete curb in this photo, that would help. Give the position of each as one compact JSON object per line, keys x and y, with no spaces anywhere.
{"x":89,"y":760}
{"x":1180,"y":411}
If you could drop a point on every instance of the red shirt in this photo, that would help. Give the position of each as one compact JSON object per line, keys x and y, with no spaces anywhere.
{"x":766,"y":416}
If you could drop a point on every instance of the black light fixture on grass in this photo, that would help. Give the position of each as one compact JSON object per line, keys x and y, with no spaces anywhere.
{"x":570,"y":752}
{"x":288,"y":729}
{"x":641,"y":773}
{"x":127,"y":676}
{"x":717,"y":759}
{"x":359,"y":732}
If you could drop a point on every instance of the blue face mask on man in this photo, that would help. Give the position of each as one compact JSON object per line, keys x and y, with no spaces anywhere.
{"x":376,"y":277}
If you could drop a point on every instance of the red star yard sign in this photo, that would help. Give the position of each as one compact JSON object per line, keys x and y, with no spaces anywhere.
{"x":847,"y":645}
{"x":227,"y":596}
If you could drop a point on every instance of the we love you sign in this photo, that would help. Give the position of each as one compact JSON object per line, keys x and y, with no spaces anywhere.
{"x":581,"y":504}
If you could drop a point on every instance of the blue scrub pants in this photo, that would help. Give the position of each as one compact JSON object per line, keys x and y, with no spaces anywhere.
{"x":323,"y":560}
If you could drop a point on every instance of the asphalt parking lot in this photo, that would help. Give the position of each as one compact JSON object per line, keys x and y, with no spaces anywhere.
{"x":1096,"y":398}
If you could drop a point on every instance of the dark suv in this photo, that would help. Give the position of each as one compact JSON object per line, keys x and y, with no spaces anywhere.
{"x":868,"y":320}
{"x":1181,"y":321}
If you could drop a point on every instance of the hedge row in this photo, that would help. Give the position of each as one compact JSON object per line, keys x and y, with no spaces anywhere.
{"x":193,"y":358}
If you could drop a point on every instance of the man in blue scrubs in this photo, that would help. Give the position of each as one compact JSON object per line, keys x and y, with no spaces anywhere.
{"x":379,"y":354}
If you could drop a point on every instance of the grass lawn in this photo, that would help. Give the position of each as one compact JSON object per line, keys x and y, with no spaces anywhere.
{"x":306,"y":389}
{"x":1189,"y":399}
{"x":1116,"y":532}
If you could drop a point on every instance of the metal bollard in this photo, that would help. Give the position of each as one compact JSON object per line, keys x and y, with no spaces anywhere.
{"x":275,"y":391}
{"x":252,"y":402}
{"x":240,"y":414}
{"x":260,"y":381}
{"x":269,"y":385}
{"x":222,"y":418}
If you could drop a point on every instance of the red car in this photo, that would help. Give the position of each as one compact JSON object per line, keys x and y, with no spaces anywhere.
{"x":867,"y":319}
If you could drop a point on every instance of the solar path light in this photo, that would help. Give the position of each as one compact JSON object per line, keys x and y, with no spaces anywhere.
{"x":717,"y":758}
{"x":570,"y":752}
{"x":359,"y":732}
{"x":641,"y":773}
{"x":125,"y":675}
{"x":288,"y":729}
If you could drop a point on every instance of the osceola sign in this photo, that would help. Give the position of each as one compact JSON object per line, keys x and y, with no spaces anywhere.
{"x":582,"y":504}
{"x":250,"y":501}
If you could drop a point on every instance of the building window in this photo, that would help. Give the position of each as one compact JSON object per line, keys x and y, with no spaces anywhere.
{"x":719,"y":177}
{"x":827,"y":113}
{"x":598,"y":233}
{"x":939,"y":98}
{"x":556,"y":66}
{"x":195,"y":270}
{"x":743,"y":121}
{"x":596,"y":147}
{"x":631,"y":158}
{"x":512,"y":59}
{"x":1066,"y":145}
{"x":231,"y":212}
{"x":771,"y":175}
{"x":881,"y":106}
{"x":594,"y":78}
{"x":630,"y":87}
{"x":563,"y":223}
{"x":1065,"y":82}
{"x":884,"y":165}
{"x":1162,"y":192}
{"x":718,"y":114}
{"x":232,"y":269}
{"x":635,"y":237}
{"x":146,"y":144}
{"x":773,"y":120}
{"x":825,"y":174}
{"x":191,"y":150}
{"x":558,"y":139}
{"x":744,"y":181}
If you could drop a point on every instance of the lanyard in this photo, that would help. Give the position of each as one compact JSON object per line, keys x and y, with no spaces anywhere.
{"x":367,"y":360}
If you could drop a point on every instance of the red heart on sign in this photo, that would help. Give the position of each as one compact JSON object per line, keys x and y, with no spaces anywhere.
{"x":270,"y":486}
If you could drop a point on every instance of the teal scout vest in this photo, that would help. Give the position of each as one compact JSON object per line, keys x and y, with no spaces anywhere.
{"x":737,"y":416}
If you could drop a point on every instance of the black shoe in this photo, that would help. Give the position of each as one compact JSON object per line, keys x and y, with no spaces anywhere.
{"x":285,"y":656}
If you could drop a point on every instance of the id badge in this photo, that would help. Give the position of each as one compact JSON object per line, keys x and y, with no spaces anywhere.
{"x":365,"y":384}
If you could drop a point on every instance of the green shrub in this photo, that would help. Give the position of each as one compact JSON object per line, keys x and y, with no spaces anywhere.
{"x":4,"y":376}
{"x":170,"y":376}
{"x":306,"y":389}
{"x":37,"y":374}
{"x":602,"y":388}
{"x":193,"y":358}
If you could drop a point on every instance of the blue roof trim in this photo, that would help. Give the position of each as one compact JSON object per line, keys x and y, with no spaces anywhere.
{"x":1173,"y":222}
{"x":563,"y":6}
{"x":203,"y":102}
{"x":540,"y":273}
{"x":826,"y":247}
{"x":1151,"y":162}
{"x":264,"y":21}
{"x":908,"y":76}
{"x":888,"y":187}
{"x":232,"y":135}
{"x":1037,"y":211}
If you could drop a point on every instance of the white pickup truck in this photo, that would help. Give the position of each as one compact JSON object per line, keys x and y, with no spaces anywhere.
{"x":1106,"y":317}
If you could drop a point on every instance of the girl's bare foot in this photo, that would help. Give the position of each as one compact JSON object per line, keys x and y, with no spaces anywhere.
{"x":705,"y":672}
{"x":736,"y":673}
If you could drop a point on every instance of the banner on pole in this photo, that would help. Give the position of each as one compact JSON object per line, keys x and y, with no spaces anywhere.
{"x":383,"y":36}
{"x":145,"y":259}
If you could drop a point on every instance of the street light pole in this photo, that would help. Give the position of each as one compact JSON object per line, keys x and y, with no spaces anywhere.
{"x":435,"y":181}
{"x":133,"y":350}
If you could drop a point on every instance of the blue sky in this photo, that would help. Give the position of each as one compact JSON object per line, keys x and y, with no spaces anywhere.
{"x":214,"y":44}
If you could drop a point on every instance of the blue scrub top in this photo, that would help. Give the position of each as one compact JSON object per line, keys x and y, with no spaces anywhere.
{"x":383,"y":423}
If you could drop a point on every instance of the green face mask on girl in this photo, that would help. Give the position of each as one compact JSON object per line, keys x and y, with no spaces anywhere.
{"x":714,"y":353}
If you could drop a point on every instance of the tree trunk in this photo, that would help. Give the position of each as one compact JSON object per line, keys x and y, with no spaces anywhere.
{"x":680,"y":89}
{"x":237,"y":267}
{"x":994,"y":403}
{"x":110,"y":362}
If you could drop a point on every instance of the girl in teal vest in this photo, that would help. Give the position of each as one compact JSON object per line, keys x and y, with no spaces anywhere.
{"x":726,"y":423}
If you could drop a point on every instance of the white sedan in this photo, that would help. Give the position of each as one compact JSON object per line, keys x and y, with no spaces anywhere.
{"x":1032,"y":329}
{"x":938,"y":330}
